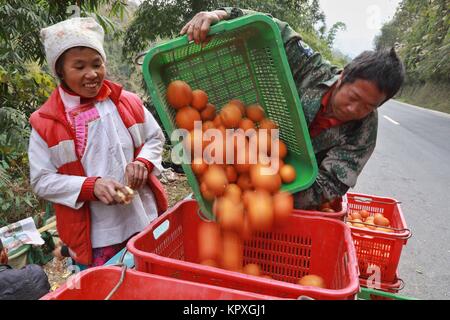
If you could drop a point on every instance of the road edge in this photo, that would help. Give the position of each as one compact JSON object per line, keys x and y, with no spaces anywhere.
{"x":447,"y":115}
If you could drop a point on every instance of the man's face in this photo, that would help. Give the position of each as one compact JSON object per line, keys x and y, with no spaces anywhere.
{"x":83,"y":71}
{"x":354,"y":101}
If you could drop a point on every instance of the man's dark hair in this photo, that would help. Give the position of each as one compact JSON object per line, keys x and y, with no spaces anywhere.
{"x":383,"y":67}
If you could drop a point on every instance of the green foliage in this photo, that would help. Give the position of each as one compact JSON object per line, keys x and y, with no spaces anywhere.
{"x":156,"y":19}
{"x":118,"y":69}
{"x":420,"y":29}
{"x":331,"y":36}
{"x":25,"y":84}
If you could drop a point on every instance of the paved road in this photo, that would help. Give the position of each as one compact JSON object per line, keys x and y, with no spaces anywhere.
{"x":412,"y":164}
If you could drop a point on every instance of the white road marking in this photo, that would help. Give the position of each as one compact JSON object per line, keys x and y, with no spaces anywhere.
{"x":393,"y":121}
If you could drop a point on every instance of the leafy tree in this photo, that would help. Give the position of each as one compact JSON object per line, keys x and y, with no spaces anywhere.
{"x":420,"y":29}
{"x":156,"y":19}
{"x":331,"y":36}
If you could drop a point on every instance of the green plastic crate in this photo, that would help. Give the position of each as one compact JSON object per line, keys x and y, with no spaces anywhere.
{"x":245,"y":59}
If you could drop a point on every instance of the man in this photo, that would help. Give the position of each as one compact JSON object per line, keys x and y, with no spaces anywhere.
{"x":28,"y":283}
{"x":340,"y":107}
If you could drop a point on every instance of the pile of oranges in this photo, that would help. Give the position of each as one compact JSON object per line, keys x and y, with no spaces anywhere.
{"x":224,"y":249}
{"x":245,"y":193}
{"x":364,"y":220}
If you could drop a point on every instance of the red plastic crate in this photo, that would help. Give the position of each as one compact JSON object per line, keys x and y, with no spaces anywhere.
{"x":374,"y":247}
{"x":306,"y":245}
{"x":339,"y":205}
{"x":97,"y":283}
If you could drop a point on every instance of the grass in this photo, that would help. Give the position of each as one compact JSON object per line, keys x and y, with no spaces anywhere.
{"x":434,"y":96}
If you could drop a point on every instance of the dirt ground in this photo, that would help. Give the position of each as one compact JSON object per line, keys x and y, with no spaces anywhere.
{"x":177,"y":189}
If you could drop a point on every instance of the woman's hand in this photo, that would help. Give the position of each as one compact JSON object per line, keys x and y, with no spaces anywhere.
{"x":106,"y":190}
{"x":197,"y":29}
{"x":136,"y":174}
{"x":3,"y":256}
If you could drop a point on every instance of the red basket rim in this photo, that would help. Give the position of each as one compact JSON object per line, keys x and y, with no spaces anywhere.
{"x":335,"y":215}
{"x":61,"y":289}
{"x":352,"y":287}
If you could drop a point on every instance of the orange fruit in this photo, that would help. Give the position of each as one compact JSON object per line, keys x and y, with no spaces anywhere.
{"x":287,"y":173}
{"x":230,"y":116}
{"x":264,"y":177}
{"x":209,"y":113}
{"x":356,"y":215}
{"x":244,"y":182}
{"x":193,"y":140}
{"x":232,"y":251}
{"x":233,"y":192}
{"x":217,"y":121}
{"x":209,"y":241}
{"x":247,"y":231}
{"x":381,"y":221}
{"x":199,"y":99}
{"x":384,"y":229}
{"x":283,"y":205}
{"x":215,"y":180}
{"x":267,"y":124}
{"x":263,"y":139}
{"x":240,"y":104}
{"x":312,"y":280}
{"x":208,"y":125}
{"x":252,"y":269}
{"x":282,"y":148}
{"x":255,"y":112}
{"x":246,"y":196}
{"x":230,"y":214}
{"x":246,"y":124}
{"x":242,"y":160}
{"x":260,"y":211}
{"x":356,"y":223}
{"x":364,"y":213}
{"x":186,"y":117}
{"x":210,"y":263}
{"x":199,"y":166}
{"x":208,"y":195}
{"x":179,"y":94}
{"x":231,"y":173}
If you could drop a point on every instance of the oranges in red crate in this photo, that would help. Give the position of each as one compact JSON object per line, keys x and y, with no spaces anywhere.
{"x":364,"y":220}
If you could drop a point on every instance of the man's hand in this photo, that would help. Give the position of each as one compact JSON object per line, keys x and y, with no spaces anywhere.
{"x":197,"y":29}
{"x":136,"y":174}
{"x":106,"y":191}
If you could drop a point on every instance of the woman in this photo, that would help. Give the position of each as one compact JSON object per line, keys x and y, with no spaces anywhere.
{"x":89,"y":141}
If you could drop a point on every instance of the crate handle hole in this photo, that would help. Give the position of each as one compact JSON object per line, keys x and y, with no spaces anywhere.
{"x":161,"y":229}
{"x":363,"y":199}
